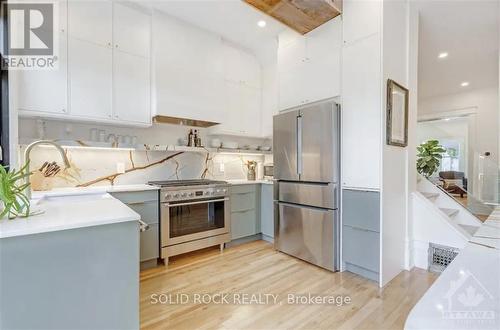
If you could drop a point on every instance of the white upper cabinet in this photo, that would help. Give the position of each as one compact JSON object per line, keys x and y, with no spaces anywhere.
{"x":104,"y":67}
{"x":269,"y":97}
{"x":131,"y":88}
{"x":45,"y":91}
{"x":361,"y":115}
{"x":131,"y":65}
{"x":242,"y":99}
{"x":90,"y":83}
{"x":309,"y":66}
{"x":240,"y":66}
{"x":241,"y":111}
{"x":131,"y":30}
{"x":361,"y":19}
{"x":91,"y":21}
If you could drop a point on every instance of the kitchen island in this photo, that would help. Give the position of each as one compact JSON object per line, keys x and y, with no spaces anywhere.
{"x":74,"y":266}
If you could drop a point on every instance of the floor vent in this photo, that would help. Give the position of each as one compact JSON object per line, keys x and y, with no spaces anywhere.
{"x":440,"y":257}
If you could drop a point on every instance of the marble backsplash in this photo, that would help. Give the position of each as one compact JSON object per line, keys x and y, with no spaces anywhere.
{"x":93,"y":166}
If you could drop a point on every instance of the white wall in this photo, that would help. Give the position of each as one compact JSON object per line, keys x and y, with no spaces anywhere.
{"x":394,"y":160}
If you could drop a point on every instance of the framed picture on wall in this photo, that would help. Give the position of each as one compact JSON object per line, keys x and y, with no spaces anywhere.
{"x":397,"y":114}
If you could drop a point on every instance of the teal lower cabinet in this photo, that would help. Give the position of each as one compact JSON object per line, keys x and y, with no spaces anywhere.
{"x":361,"y":232}
{"x":244,"y":211}
{"x":267,"y":212}
{"x":252,"y":211}
{"x":146,"y":204}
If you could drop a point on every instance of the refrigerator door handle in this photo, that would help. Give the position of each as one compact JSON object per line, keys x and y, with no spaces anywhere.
{"x":302,"y":206}
{"x":299,"y":145}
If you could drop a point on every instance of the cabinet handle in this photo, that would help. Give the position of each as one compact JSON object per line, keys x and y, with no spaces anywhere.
{"x":116,"y":45}
{"x":243,"y":211}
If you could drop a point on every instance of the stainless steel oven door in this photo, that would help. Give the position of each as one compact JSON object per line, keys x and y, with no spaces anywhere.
{"x":186,"y":221}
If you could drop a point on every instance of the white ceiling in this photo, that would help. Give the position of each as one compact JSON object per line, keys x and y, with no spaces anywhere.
{"x":234,"y":20}
{"x":468,"y":31}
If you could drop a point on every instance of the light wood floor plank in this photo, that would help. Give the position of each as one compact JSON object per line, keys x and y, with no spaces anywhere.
{"x":256,"y":268}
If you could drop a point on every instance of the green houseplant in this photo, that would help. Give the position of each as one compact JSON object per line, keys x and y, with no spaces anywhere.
{"x":12,"y":186}
{"x":429,"y":155}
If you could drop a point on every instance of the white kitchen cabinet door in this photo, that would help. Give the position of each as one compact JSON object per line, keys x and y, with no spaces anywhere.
{"x":322,"y":77}
{"x":269,"y":98}
{"x":241,"y":67}
{"x":242,"y":111}
{"x":291,"y":52}
{"x":354,"y":12}
{"x":131,"y":88}
{"x":91,"y":21}
{"x":131,"y":30}
{"x":90,"y":72}
{"x":291,"y":87}
{"x":361,"y":114}
{"x":323,"y":53}
{"x":309,"y":66}
{"x":45,"y":91}
{"x":250,"y":115}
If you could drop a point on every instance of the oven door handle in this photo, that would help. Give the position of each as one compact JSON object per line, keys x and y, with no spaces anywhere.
{"x":198,"y":202}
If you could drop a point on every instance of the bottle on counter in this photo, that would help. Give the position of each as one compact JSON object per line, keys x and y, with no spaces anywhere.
{"x":191,"y":138}
{"x":197,"y":139}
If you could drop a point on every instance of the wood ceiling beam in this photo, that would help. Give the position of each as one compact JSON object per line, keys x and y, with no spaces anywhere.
{"x":300,"y":15}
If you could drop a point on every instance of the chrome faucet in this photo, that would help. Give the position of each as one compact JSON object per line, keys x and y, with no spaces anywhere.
{"x":27,"y":158}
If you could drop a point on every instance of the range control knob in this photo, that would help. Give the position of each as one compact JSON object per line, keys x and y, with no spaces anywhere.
{"x":176,"y":195}
{"x":168,"y":196}
{"x":184,"y":194}
{"x":191,"y":194}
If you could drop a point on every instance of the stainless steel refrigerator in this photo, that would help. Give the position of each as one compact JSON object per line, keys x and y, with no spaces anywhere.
{"x":307,"y":170}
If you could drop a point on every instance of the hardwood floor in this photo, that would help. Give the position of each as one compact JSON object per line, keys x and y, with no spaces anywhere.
{"x":256,"y":268}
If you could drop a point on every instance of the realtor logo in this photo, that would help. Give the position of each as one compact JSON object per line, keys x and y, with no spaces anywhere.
{"x":32,"y":35}
{"x":467,"y":301}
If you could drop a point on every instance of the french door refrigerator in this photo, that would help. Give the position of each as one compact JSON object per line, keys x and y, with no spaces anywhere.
{"x":306,"y":144}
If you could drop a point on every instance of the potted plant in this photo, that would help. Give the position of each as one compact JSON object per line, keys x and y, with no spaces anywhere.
{"x":13,"y":201}
{"x":429,"y":155}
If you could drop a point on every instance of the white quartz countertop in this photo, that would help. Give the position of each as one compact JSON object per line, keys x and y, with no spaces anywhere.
{"x":240,"y":182}
{"x":467,"y":294}
{"x":69,"y":212}
{"x":93,"y":190}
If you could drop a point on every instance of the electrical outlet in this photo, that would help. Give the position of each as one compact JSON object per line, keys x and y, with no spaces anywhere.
{"x":221,"y":167}
{"x":120,"y":167}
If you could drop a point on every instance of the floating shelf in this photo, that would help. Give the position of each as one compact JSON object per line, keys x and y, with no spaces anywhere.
{"x":150,"y":147}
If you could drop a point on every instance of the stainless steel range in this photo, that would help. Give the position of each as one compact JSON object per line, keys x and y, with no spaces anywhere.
{"x":194,"y":214}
